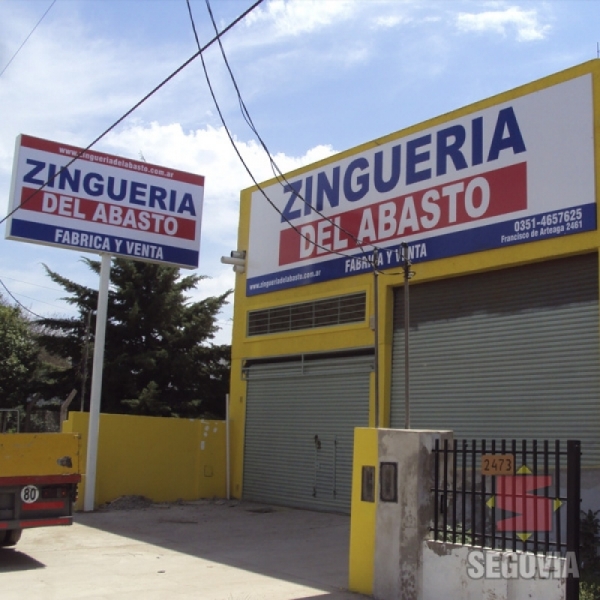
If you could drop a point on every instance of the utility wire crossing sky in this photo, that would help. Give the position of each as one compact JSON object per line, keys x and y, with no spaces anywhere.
{"x":316,"y":76}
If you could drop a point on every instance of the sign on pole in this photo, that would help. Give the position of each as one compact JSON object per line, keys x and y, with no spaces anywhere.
{"x":93,"y":202}
{"x":104,"y":204}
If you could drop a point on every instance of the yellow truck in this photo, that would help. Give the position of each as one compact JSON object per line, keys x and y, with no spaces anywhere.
{"x":39,"y":473}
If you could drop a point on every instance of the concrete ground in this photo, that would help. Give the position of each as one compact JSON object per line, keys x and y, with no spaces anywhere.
{"x":202,"y":550}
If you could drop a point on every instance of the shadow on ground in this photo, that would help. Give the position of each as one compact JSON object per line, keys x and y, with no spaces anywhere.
{"x":13,"y":560}
{"x":304,"y":547}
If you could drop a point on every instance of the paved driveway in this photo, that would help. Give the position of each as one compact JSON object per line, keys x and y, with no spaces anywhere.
{"x":201,"y":550}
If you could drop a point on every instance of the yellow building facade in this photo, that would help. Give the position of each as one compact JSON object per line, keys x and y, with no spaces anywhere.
{"x":496,"y":203}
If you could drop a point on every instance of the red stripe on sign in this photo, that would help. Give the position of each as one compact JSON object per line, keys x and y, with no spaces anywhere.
{"x":39,"y":479}
{"x":44,"y":505}
{"x":489,"y":194}
{"x":106,"y":214}
{"x":118,"y":162}
{"x":3,"y":525}
{"x":45,"y":522}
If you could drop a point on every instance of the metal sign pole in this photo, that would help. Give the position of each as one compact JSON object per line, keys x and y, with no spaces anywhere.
{"x":96,"y":392}
{"x":227,"y":455}
{"x":406,"y":264}
{"x":376,"y":331}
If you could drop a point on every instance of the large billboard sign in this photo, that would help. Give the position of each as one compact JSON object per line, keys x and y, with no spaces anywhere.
{"x":514,"y":172}
{"x":104,"y":204}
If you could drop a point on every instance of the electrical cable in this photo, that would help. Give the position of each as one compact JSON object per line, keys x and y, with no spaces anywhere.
{"x":17,"y":301}
{"x":60,"y":308}
{"x":30,"y":283}
{"x":230,"y":137}
{"x":279,"y":175}
{"x":25,"y":40}
{"x":137,"y":105}
{"x":237,"y":151}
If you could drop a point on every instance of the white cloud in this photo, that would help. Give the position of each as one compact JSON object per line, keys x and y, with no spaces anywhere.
{"x":68,"y":82}
{"x":526,"y":23}
{"x":281,"y":19}
{"x":208,"y":151}
{"x":295,"y":17}
{"x":389,"y":21}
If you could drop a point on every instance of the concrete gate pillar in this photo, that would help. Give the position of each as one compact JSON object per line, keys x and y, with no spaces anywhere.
{"x":392,"y":509}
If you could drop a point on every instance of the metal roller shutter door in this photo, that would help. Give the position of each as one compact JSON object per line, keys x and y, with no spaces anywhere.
{"x":300,"y":420}
{"x":503,"y":354}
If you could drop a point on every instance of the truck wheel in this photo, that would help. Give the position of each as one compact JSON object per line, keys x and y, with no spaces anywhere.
{"x":10,"y":538}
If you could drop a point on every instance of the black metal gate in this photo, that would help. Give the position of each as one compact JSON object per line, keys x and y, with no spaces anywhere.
{"x":511,"y":495}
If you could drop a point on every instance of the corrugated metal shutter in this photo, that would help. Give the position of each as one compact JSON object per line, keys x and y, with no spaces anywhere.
{"x":300,"y":420}
{"x":503,"y":354}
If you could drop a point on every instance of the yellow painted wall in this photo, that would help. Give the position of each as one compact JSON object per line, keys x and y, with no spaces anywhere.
{"x":361,"y":335}
{"x":363,"y":514}
{"x":24,"y":454}
{"x":164,"y":459}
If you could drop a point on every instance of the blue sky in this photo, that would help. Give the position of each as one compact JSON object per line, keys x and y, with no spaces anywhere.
{"x":318,"y":77}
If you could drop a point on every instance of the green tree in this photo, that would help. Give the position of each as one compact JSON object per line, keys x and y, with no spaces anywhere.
{"x":158,"y":358}
{"x":19,"y":357}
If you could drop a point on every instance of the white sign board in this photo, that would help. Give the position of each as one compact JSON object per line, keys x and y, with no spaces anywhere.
{"x":104,"y":203}
{"x":515,"y":172}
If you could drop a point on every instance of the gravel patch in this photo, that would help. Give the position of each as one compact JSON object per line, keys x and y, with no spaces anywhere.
{"x":127,"y":503}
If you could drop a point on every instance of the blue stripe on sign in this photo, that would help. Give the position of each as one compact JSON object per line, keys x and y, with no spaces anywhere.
{"x":557,"y":223}
{"x":86,"y":241}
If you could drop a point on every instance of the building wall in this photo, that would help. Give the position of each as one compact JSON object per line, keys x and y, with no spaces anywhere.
{"x":163,"y":459}
{"x":334,"y":338}
{"x":446,"y":574}
{"x":363,"y":523}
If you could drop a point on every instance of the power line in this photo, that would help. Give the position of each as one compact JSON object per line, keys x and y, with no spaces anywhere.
{"x":281,"y":178}
{"x":279,"y":175}
{"x":17,"y":301}
{"x":52,"y":289}
{"x":137,"y":105}
{"x":27,"y":38}
{"x":30,"y":283}
{"x":237,"y":151}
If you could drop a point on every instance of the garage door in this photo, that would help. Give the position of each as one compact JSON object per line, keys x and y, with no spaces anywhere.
{"x":503,"y":354}
{"x":300,"y":420}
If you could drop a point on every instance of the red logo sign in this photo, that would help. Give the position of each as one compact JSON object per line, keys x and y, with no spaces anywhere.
{"x":514,"y":493}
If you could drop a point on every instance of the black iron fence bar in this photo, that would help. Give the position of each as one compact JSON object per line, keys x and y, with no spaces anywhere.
{"x":573,"y":516}
{"x":523,"y":462}
{"x":473,"y":498}
{"x":493,"y":492}
{"x":553,"y":545}
{"x":483,"y":495}
{"x":464,"y":487}
{"x":557,"y":514}
{"x":454,"y":472}
{"x":436,"y":483}
{"x":547,"y":472}
{"x":562,"y":452}
{"x":487,"y":494}
{"x":535,"y":504}
{"x":513,"y":499}
{"x":503,"y":537}
{"x":445,"y":493}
